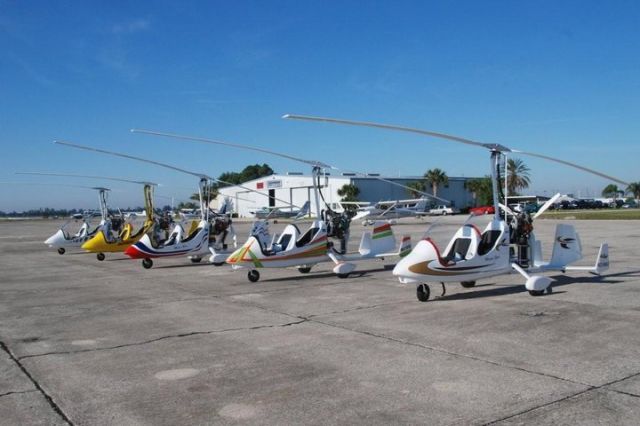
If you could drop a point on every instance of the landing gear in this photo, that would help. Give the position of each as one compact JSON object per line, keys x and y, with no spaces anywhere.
{"x":343,"y":276}
{"x":468,"y":284}
{"x":218,"y":263}
{"x":100,"y":256}
{"x":147,"y":263}
{"x":536,"y":292}
{"x":423,"y":292}
{"x":253,"y":275}
{"x":196,"y":259}
{"x":61,"y":250}
{"x":304,"y":269}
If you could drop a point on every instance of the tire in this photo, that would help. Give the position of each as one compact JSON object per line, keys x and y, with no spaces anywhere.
{"x":343,"y":276}
{"x":536,"y":292}
{"x":423,"y":292}
{"x":304,"y":269}
{"x":196,"y":259}
{"x":468,"y":284}
{"x":218,"y":263}
{"x":444,"y":213}
{"x":147,"y":263}
{"x":253,"y":275}
{"x":61,"y":250}
{"x":100,"y":256}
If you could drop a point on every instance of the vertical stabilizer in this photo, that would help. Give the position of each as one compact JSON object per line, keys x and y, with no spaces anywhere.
{"x":566,"y":246}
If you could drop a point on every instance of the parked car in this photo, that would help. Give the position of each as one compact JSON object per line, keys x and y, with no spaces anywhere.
{"x":443,"y":210}
{"x":477,"y":211}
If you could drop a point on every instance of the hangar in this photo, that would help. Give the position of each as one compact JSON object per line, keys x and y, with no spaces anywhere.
{"x":297,"y":188}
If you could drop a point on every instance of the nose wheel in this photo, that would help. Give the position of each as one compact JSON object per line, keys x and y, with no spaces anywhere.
{"x":253,"y":275}
{"x":423,"y":292}
{"x":147,"y":263}
{"x":61,"y":250}
{"x":100,"y":256}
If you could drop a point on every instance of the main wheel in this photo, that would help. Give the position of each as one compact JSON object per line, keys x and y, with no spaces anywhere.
{"x":536,"y":292}
{"x":196,"y":259}
{"x":147,"y":263}
{"x":253,"y":275}
{"x":468,"y":284}
{"x":100,"y":256}
{"x":61,"y":250}
{"x":422,"y":292}
{"x":304,"y":269}
{"x":343,"y":276}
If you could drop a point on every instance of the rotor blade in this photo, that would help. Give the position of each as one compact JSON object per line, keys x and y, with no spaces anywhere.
{"x":393,"y":127}
{"x":493,"y":147}
{"x":546,"y":205}
{"x":235,"y":145}
{"x":98,"y":188}
{"x":88,"y":176}
{"x":157,"y":163}
{"x":290,"y":157}
{"x":567,"y":163}
{"x":131,"y":157}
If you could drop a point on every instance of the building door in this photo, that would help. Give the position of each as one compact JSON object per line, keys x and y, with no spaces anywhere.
{"x":272,"y":198}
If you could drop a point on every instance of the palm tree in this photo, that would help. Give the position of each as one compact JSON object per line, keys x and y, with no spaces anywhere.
{"x":475,"y":186}
{"x":349,"y":192}
{"x":415,"y":188}
{"x":634,"y":188}
{"x":611,"y":191}
{"x":436,"y":177}
{"x":517,"y":176}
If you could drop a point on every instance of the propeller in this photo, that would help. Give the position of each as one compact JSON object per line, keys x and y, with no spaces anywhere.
{"x":290,"y":157}
{"x":88,"y":176}
{"x":168,"y":166}
{"x":490,"y":146}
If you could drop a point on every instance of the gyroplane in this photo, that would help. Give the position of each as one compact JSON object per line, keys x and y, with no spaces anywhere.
{"x":64,"y":239}
{"x":199,"y":241}
{"x":293,"y":248}
{"x":502,"y":247}
{"x":115,"y":236}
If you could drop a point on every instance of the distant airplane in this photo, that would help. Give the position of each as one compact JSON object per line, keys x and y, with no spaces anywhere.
{"x":392,"y":210}
{"x":277,"y":213}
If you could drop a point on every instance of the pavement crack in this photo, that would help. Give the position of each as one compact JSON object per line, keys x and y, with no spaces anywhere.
{"x":17,"y":392}
{"x":591,"y":388}
{"x":39,"y":388}
{"x":446,"y":352}
{"x":157,"y":339}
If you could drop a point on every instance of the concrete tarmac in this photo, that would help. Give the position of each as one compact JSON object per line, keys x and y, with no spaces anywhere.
{"x":86,"y":342}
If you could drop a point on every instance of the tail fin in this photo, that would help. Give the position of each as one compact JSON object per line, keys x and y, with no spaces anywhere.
{"x":602,"y":262}
{"x":405,"y":246}
{"x":380,"y":242}
{"x":566,"y":246}
{"x":304,"y":210}
{"x":421,"y":205}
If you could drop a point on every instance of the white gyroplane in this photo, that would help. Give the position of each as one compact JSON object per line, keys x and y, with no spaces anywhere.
{"x":501,"y":248}
{"x":303,"y":250}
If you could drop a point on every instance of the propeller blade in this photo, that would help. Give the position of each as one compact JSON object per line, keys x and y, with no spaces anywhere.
{"x":88,"y":176}
{"x":492,"y":147}
{"x":546,"y":205}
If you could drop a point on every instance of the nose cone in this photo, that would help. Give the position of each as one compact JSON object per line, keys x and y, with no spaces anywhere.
{"x":133,"y":252}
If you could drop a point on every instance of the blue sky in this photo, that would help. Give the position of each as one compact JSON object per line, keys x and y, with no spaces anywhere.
{"x":558,"y":78}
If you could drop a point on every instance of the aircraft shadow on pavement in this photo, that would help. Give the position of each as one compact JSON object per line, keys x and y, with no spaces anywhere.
{"x":560,"y":280}
{"x":358,"y":273}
